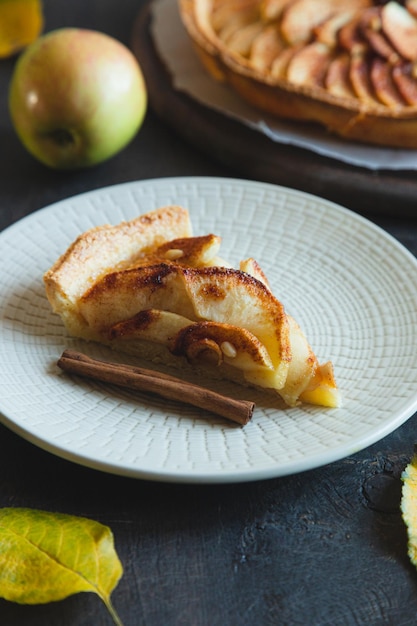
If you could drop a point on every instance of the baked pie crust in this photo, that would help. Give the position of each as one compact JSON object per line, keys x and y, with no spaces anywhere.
{"x":349,"y":65}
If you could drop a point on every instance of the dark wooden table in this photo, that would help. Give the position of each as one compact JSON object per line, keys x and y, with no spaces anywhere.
{"x":327,"y":547}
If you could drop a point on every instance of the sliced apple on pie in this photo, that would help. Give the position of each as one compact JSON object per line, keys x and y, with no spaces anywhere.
{"x":149,"y":288}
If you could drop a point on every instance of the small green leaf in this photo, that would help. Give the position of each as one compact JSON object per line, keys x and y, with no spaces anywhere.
{"x":46,"y":557}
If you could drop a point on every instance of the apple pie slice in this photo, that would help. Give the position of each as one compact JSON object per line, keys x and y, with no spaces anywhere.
{"x":349,"y":65}
{"x":149,"y":288}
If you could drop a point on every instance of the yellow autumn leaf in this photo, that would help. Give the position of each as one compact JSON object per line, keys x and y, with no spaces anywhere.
{"x":409,"y":506}
{"x":21,"y":22}
{"x":45,"y":557}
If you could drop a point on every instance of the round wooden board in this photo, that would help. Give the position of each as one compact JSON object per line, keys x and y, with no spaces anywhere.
{"x":252,"y":155}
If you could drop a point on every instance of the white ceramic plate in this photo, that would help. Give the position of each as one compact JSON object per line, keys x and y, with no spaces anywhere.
{"x":351,"y":286}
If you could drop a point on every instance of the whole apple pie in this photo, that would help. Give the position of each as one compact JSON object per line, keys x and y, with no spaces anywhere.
{"x":149,"y":288}
{"x":349,"y":65}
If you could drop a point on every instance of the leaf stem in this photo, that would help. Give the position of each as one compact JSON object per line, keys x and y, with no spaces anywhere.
{"x":112,"y":611}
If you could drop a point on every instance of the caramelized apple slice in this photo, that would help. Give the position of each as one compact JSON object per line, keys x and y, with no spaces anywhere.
{"x":301,"y":17}
{"x":371,"y":28}
{"x":120,"y":295}
{"x":306,"y":378}
{"x":234,"y":23}
{"x":252,"y":267}
{"x":337,"y":81}
{"x":194,"y":251}
{"x":309,"y":65}
{"x":227,"y":344}
{"x":280,"y":64}
{"x":151,"y":325}
{"x":379,"y":43}
{"x":406,"y":83}
{"x":241,"y":41}
{"x":411,"y":6}
{"x":401,"y":29}
{"x":302,"y":366}
{"x":224,"y":295}
{"x":350,"y":37}
{"x":384,"y":85}
{"x":359,"y":75}
{"x":322,"y":389}
{"x":266,"y":46}
{"x":327,"y":31}
{"x":271,"y":10}
{"x":225,"y":10}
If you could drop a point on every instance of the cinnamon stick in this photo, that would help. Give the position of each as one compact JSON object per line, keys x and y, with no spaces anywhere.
{"x":150,"y":381}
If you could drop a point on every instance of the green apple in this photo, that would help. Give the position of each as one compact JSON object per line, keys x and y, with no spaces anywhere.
{"x":76,"y":98}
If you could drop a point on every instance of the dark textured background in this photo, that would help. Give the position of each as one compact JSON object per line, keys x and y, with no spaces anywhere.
{"x":323,"y":548}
